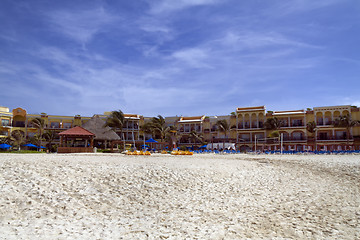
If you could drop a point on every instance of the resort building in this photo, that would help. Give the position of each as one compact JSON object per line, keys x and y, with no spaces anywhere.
{"x":190,"y":129}
{"x":248,"y":128}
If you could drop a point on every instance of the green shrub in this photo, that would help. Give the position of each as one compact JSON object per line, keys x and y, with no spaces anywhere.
{"x":103,"y":150}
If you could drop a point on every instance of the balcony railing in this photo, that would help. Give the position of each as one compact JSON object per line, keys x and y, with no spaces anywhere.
{"x":333,"y":138}
{"x":294,"y":139}
{"x":297,"y":125}
{"x":18,"y":124}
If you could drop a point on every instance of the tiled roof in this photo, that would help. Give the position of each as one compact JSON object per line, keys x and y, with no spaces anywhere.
{"x":247,"y":109}
{"x":192,"y":119}
{"x":77,"y":131}
{"x":288,"y":112}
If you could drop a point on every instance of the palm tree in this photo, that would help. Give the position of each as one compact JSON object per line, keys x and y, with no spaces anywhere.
{"x":173,"y":136}
{"x":116,"y":121}
{"x":346,"y":122}
{"x":18,"y":138}
{"x":273,"y":123}
{"x":312,"y":128}
{"x":147,"y":128}
{"x":158,"y":127}
{"x":223,"y":126}
{"x":196,"y":137}
{"x":49,"y":137}
{"x":39,"y":123}
{"x":6,"y":140}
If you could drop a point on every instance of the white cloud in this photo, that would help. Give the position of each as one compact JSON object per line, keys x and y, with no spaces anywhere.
{"x":80,"y":25}
{"x":194,"y":57}
{"x":289,"y":7}
{"x":166,"y":6}
{"x":251,"y":39}
{"x":155,"y":27}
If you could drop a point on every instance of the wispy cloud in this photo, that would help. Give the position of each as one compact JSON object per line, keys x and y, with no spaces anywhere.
{"x":194,"y":57}
{"x":81,"y":25}
{"x":289,"y":7}
{"x":177,"y":57}
{"x":251,"y":39}
{"x":166,"y":6}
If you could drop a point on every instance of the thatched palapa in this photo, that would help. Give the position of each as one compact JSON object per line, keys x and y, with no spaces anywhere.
{"x":97,"y":126}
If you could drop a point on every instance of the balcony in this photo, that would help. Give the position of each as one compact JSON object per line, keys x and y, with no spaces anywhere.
{"x":294,"y":139}
{"x":297,"y":125}
{"x":18,"y":124}
{"x":253,"y":126}
{"x":332,"y":138}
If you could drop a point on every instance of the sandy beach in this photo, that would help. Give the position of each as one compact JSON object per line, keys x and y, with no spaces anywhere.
{"x":113,"y":196}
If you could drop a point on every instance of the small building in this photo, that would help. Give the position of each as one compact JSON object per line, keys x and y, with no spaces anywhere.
{"x":75,"y":140}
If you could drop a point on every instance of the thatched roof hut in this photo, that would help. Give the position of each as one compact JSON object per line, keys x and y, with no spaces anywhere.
{"x":96,"y":126}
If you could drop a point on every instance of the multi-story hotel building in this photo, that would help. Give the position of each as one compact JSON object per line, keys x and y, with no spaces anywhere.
{"x":246,"y":128}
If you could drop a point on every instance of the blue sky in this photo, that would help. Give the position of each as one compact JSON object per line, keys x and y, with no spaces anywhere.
{"x":178,"y":57}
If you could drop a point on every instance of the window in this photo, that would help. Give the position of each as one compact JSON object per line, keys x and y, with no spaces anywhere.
{"x":187,"y":128}
{"x":297,"y":135}
{"x":4,"y":133}
{"x":54,"y":125}
{"x":323,"y":136}
{"x":340,"y":135}
{"x":327,"y":121}
{"x":5,"y":122}
{"x":297,"y":123}
{"x":67,"y":125}
{"x":319,"y":121}
{"x":245,"y":137}
{"x":198,"y":128}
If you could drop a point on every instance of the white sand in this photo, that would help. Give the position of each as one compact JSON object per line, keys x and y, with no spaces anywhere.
{"x":112,"y":196}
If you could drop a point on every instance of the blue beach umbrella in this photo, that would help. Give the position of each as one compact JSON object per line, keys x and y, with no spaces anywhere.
{"x":151,"y":141}
{"x":40,"y":147}
{"x":30,"y":145}
{"x":204,"y":146}
{"x":5,"y":146}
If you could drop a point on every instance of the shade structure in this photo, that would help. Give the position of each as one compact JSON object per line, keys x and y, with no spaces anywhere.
{"x":204,"y":146}
{"x":30,"y":145}
{"x":73,"y":135}
{"x":96,"y":125}
{"x":41,"y":147}
{"x":151,"y":141}
{"x":5,"y":146}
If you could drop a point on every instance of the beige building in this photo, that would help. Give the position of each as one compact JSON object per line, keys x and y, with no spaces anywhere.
{"x":246,"y":128}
